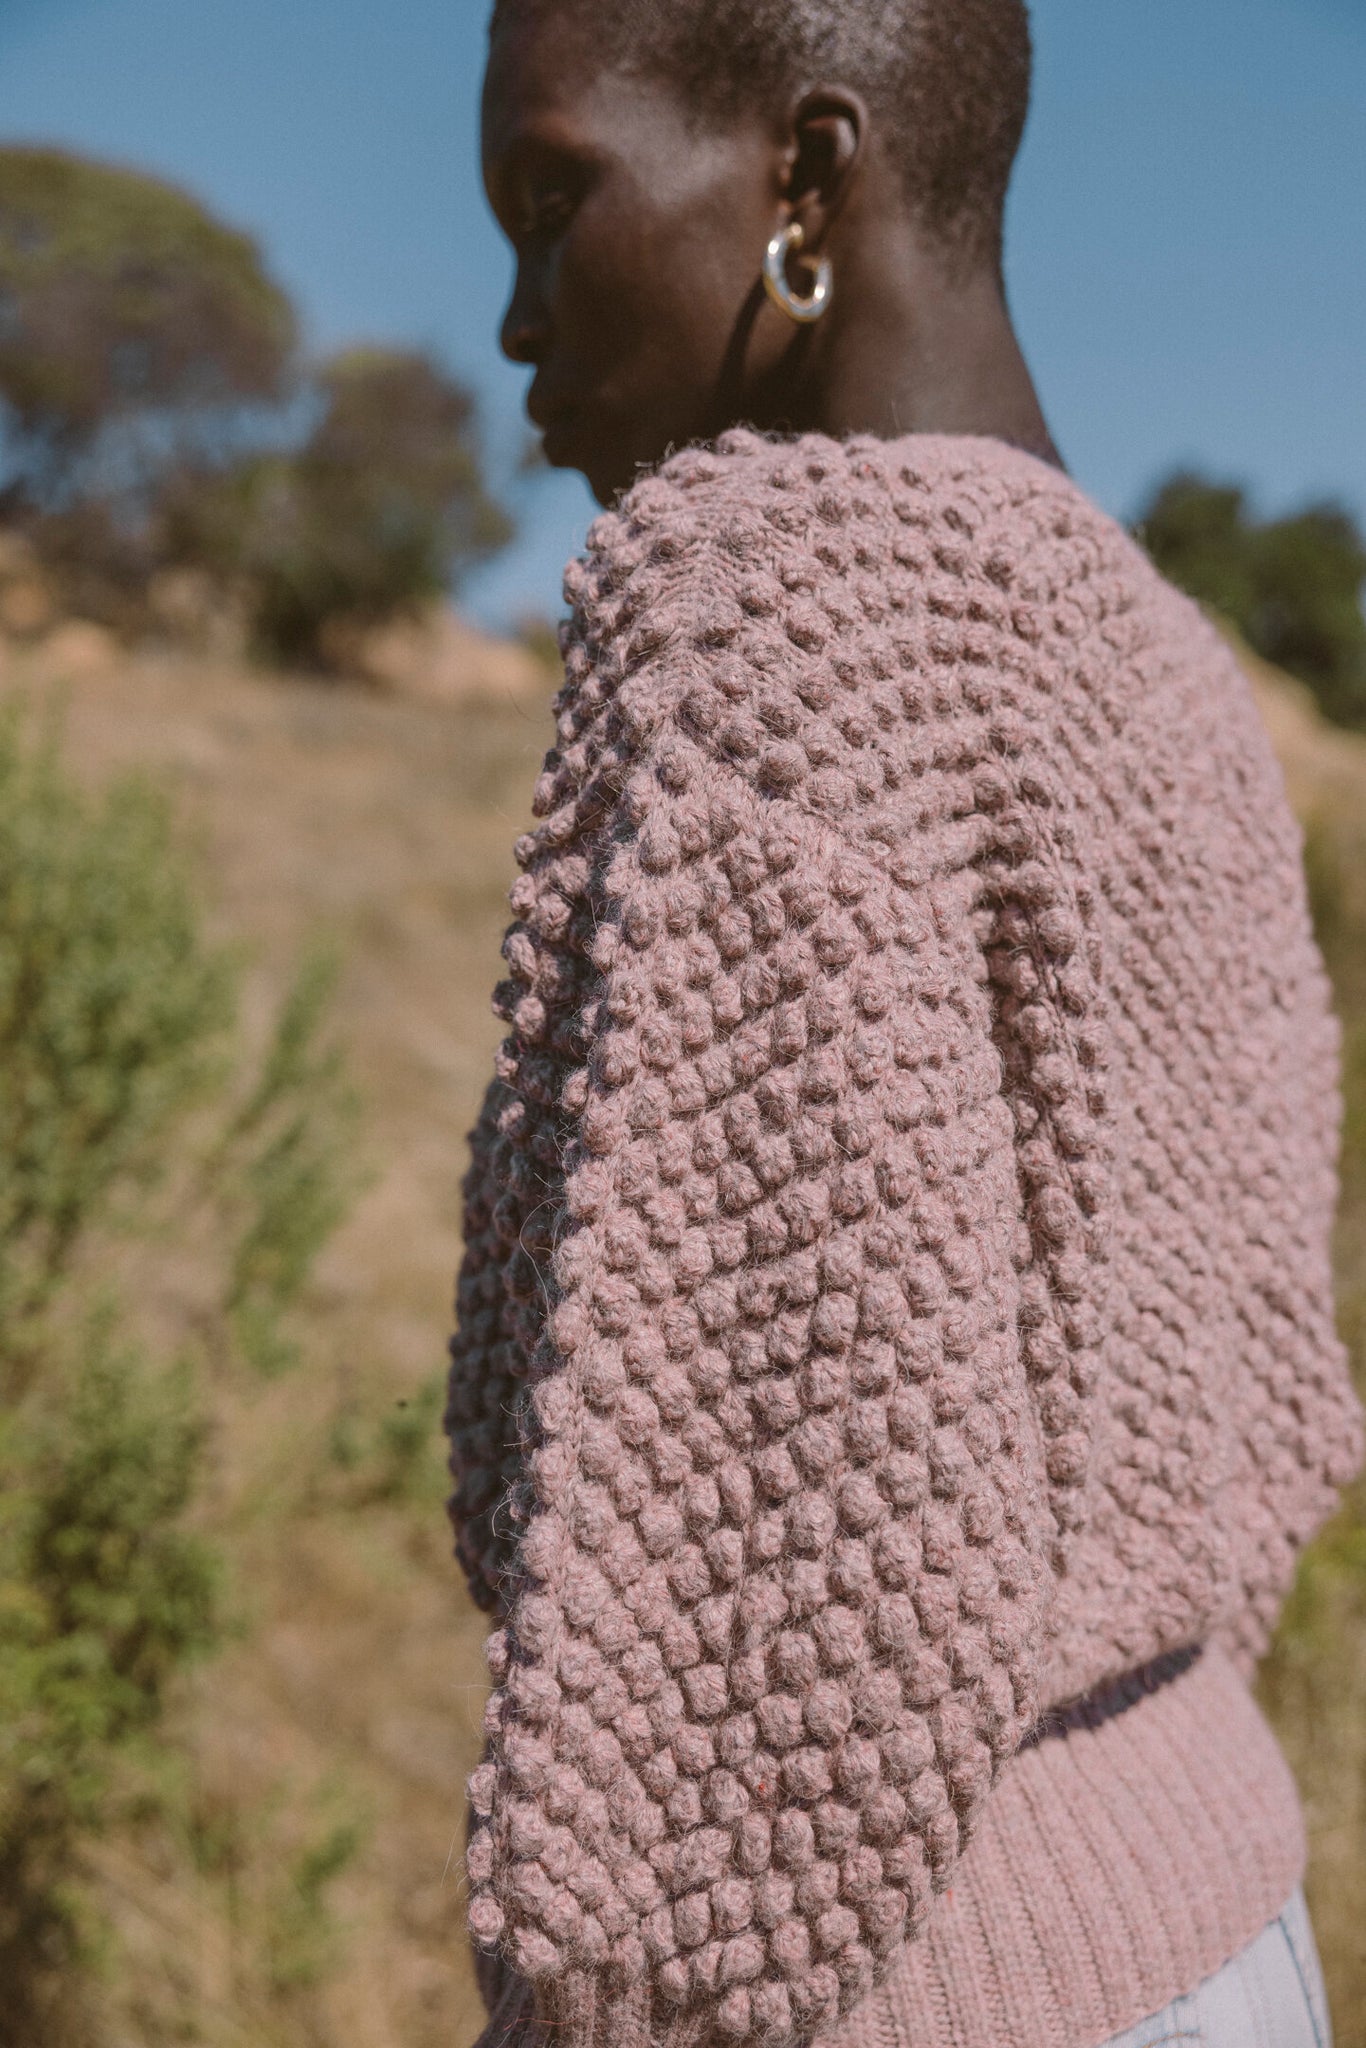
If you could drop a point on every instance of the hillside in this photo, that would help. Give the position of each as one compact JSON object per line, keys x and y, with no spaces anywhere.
{"x":385,"y":825}
{"x":317,"y":1901}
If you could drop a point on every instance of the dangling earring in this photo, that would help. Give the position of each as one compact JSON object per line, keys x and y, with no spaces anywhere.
{"x":786,"y":242}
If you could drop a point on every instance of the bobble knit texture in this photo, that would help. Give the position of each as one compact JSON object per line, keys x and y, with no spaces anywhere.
{"x":896,"y":1292}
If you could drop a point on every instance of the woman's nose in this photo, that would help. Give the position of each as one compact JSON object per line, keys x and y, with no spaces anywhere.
{"x":525,"y":328}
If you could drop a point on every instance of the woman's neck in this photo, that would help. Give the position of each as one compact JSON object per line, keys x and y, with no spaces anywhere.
{"x":908,"y":347}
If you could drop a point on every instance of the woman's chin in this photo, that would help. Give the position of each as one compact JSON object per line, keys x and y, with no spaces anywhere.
{"x":560,"y":443}
{"x":565,"y":445}
{"x":609,"y":463}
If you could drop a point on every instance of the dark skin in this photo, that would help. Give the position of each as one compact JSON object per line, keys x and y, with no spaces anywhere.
{"x":639,"y":233}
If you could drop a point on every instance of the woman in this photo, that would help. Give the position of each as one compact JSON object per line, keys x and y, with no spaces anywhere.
{"x":895,"y":1367}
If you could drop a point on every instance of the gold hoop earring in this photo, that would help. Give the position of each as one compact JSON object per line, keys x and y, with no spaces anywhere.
{"x":786,"y":242}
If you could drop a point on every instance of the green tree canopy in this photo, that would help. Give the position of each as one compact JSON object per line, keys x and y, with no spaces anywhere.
{"x":144,"y":357}
{"x":382,"y":507}
{"x":1292,"y":587}
{"x":120,"y":296}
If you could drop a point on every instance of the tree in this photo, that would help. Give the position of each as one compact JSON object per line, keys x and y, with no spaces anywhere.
{"x":380,"y":509}
{"x":145,"y":355}
{"x":122,"y":300}
{"x":137,"y":333}
{"x":1292,"y":587}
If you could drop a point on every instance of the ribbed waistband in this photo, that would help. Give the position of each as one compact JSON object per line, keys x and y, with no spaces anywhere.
{"x":1109,"y":1874}
{"x":1116,"y":1697}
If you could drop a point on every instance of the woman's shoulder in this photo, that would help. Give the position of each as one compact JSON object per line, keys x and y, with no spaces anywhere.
{"x":816,"y":616}
{"x":761,"y":521}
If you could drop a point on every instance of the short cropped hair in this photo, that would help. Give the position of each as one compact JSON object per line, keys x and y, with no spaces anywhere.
{"x":948,"y":80}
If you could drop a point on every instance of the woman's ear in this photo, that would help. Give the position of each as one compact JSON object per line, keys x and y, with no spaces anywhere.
{"x":827,"y":138}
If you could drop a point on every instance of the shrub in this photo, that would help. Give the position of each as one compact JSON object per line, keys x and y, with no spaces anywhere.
{"x":380,"y":510}
{"x":1313,"y":1681}
{"x":409,"y":1462}
{"x":113,"y":1021}
{"x":104,"y":1597}
{"x":302,"y":1936}
{"x":282,"y":1172}
{"x":126,"y":1105}
{"x":1292,"y":587}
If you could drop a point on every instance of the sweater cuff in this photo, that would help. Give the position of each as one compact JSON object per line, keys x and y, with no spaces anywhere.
{"x":577,"y":2010}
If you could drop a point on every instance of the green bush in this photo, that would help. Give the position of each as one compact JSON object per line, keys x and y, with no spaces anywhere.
{"x":283,"y":1171}
{"x":302,"y":1937}
{"x":409,"y":1463}
{"x":1291,"y":587}
{"x":1313,"y":1682}
{"x":114,"y":1018}
{"x":104,"y":1597}
{"x":1333,"y":1575}
{"x":127,"y":1107}
{"x":379,"y":510}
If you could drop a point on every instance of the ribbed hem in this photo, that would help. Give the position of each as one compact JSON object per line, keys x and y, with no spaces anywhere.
{"x":1112,"y":1870}
{"x":1114,"y":1867}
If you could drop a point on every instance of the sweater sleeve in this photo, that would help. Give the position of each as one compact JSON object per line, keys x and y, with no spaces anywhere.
{"x":508,"y":1190}
{"x":776,"y":1607}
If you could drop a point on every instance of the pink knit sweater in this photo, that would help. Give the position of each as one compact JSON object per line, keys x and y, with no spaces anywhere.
{"x":896,"y":1294}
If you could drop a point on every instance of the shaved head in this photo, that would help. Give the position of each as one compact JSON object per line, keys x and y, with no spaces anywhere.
{"x":947,"y":81}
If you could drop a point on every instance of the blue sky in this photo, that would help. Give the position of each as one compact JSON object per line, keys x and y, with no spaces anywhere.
{"x":1188,"y":233}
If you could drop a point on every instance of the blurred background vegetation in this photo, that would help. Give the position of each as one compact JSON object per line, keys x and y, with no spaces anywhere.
{"x":159,"y":419}
{"x":1290,"y":587}
{"x":247,"y":928}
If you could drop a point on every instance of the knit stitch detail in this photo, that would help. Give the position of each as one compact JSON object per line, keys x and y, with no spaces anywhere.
{"x":1111,"y":1872}
{"x":895,"y":1295}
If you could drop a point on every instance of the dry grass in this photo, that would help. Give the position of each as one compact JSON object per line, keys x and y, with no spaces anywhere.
{"x":352,"y":1698}
{"x":1315,"y":1684}
{"x":337,"y":1731}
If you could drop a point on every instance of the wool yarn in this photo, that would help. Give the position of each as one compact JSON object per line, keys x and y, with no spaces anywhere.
{"x":895,"y":1296}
